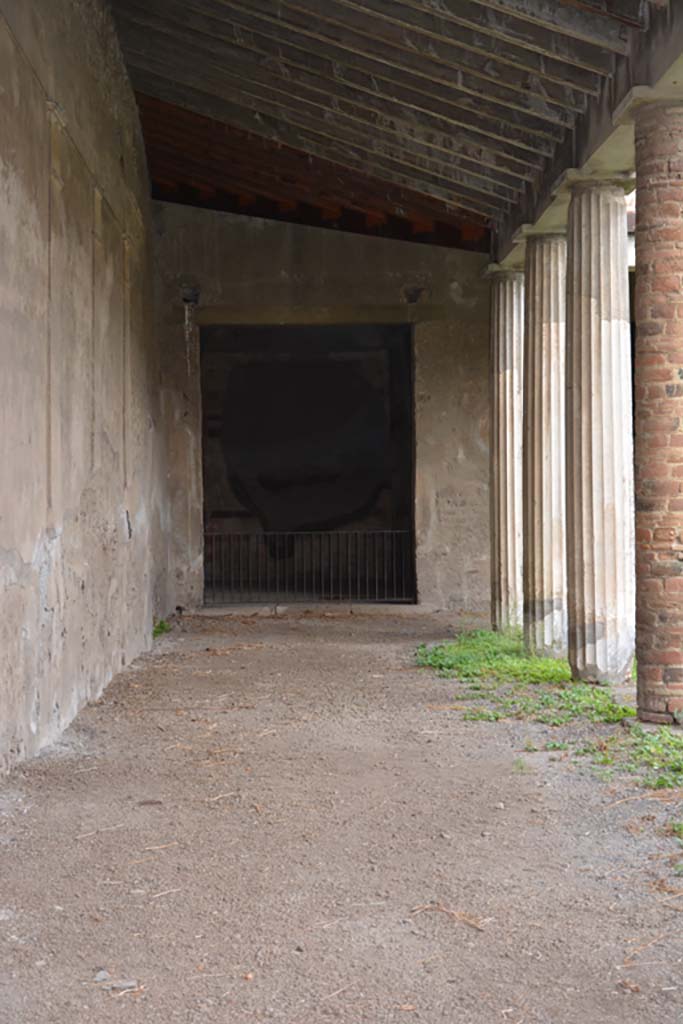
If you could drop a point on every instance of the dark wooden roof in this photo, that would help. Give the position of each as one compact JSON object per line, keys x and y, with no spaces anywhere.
{"x":203,"y":162}
{"x":456,"y":106}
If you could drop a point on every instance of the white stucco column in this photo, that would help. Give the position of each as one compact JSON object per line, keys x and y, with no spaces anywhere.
{"x":545,"y":575}
{"x":507,"y":361}
{"x":600,"y":506}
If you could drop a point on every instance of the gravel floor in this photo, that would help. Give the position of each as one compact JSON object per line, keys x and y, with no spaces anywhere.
{"x":275,"y":819}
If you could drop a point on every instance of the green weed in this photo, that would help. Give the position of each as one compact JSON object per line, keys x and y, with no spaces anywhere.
{"x":482,"y":715}
{"x":498,"y":670}
{"x":567,"y":703}
{"x":500,"y":657}
{"x":509,"y":683}
{"x":160,"y":628}
{"x":655,"y":755}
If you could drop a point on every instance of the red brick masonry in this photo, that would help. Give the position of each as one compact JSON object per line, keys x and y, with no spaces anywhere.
{"x":659,"y":411}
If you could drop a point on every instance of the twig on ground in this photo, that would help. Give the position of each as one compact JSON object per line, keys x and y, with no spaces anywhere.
{"x":338,"y":991}
{"x":166,"y":892}
{"x":640,"y":949}
{"x":665,"y":796}
{"x":95,"y":832}
{"x":456,"y":915}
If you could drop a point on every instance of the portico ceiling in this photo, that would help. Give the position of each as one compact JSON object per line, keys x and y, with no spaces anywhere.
{"x":467,"y":103}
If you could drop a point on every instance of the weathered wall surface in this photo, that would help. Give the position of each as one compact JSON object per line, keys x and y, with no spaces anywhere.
{"x":82,"y":494}
{"x":255,"y":271}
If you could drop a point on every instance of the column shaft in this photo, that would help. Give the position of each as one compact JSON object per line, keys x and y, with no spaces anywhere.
{"x":507,"y":358}
{"x":659,"y":412}
{"x":600,"y":515}
{"x":545,"y":576}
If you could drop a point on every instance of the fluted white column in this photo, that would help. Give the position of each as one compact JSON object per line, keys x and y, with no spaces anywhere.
{"x":507,"y":361}
{"x":600,"y":512}
{"x":545,"y":574}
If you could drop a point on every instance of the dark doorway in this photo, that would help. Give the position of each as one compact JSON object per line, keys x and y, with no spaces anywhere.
{"x":308,"y":463}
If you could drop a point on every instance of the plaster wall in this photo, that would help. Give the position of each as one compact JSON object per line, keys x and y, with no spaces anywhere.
{"x":82,"y":455}
{"x":255,"y":271}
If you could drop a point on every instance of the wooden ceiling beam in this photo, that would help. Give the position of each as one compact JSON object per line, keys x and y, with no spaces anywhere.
{"x":310,"y":138}
{"x":438,"y":64}
{"x":304,"y":65}
{"x":454,"y":191}
{"x":302,"y":138}
{"x":633,"y":13}
{"x":331,"y":23}
{"x":168,"y":163}
{"x":427,"y":176}
{"x":462,"y":23}
{"x":242,"y":63}
{"x":259,"y":90}
{"x":217,"y":144}
{"x":439,"y":167}
{"x":578,"y":26}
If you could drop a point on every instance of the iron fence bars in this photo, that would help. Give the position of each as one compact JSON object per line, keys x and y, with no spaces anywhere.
{"x":280,"y":568}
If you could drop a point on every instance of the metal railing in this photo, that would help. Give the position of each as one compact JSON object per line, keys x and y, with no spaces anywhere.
{"x":279,"y":568}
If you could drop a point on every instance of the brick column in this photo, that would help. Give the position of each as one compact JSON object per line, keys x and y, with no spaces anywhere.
{"x":545,"y":572}
{"x":600,"y":522}
{"x":659,"y":411}
{"x":507,"y":357}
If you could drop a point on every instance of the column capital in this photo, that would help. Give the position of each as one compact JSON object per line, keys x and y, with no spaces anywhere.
{"x":496,"y":270}
{"x":538,"y":238}
{"x":619,"y":184}
{"x":642,"y":98}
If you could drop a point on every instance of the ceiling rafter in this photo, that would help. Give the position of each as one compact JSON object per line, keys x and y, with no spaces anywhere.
{"x":310,"y":139}
{"x":395,"y":167}
{"x":575,"y":23}
{"x":459,"y":20}
{"x":465,"y":102}
{"x":366,"y":75}
{"x":216,"y":166}
{"x":464,"y":112}
{"x":501,"y":133}
{"x":439,"y":66}
{"x":204,"y":167}
{"x":633,"y":13}
{"x":431,"y":144}
{"x":424,"y":33}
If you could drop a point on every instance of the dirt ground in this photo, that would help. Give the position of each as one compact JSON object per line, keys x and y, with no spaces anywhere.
{"x":274,"y":820}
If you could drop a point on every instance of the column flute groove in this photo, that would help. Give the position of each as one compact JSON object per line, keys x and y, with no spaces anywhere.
{"x":600,"y":508}
{"x":544,"y":534}
{"x":507,"y":356}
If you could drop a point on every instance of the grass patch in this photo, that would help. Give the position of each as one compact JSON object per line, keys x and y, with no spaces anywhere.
{"x":563,"y":704}
{"x":655,"y":755}
{"x":498,"y":670}
{"x":160,"y":628}
{"x":508,"y":683}
{"x":482,"y":655}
